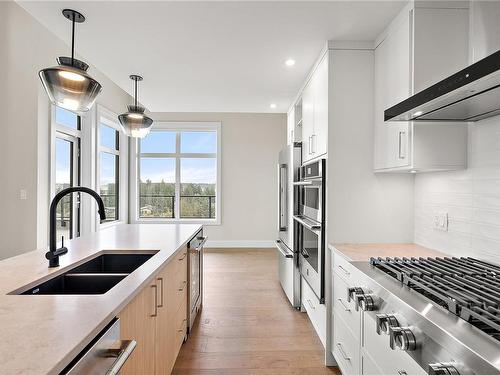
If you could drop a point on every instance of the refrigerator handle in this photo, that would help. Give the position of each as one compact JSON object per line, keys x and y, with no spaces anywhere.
{"x":283,"y":192}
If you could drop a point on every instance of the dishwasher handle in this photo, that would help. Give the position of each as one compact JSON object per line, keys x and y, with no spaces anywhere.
{"x":121,"y":356}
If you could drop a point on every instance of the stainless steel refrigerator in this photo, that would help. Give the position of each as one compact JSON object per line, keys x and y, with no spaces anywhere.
{"x":288,"y":171}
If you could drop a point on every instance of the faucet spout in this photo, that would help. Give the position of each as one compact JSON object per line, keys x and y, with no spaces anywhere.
{"x":53,"y":254}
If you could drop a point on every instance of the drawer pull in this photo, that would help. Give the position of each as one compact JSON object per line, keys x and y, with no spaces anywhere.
{"x":183,"y":285}
{"x":342,"y":352}
{"x":183,"y":256}
{"x":311,"y":304}
{"x":160,"y":279}
{"x":346,"y":272}
{"x":343,"y":304}
{"x":402,"y":372}
{"x":155,"y":287}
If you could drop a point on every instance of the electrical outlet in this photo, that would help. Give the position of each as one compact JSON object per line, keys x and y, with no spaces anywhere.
{"x":441,"y":221}
{"x":23,"y":194}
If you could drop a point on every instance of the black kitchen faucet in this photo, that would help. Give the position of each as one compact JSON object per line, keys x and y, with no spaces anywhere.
{"x":53,"y":254}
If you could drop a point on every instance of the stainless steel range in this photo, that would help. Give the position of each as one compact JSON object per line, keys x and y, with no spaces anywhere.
{"x":444,"y":312}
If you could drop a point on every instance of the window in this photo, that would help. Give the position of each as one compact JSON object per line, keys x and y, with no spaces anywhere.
{"x":66,"y":170}
{"x":178,"y":173}
{"x":109,"y":156}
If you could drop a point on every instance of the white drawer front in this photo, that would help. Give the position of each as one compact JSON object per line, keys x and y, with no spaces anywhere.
{"x":368,"y":366}
{"x":342,"y":267}
{"x":343,"y":308}
{"x":315,"y":311}
{"x":345,"y":348}
{"x":388,"y":360}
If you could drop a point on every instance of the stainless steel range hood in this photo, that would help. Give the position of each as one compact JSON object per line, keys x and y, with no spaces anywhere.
{"x":472,"y":94}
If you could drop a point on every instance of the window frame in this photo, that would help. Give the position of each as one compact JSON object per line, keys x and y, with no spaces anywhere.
{"x":109,"y":118}
{"x":177,"y":155}
{"x":74,"y":136}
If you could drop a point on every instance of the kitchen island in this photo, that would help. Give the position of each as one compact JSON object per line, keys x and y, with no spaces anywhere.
{"x":41,"y":334}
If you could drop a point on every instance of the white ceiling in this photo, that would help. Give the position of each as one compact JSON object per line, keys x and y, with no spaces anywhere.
{"x":212,"y":56}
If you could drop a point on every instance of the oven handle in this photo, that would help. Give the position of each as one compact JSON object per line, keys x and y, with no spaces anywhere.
{"x":313,"y":227}
{"x":284,"y":252}
{"x":198,"y":248}
{"x":308,"y":183}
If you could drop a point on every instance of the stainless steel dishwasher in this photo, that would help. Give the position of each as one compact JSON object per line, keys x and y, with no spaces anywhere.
{"x":195,"y":275}
{"x":106,"y":354}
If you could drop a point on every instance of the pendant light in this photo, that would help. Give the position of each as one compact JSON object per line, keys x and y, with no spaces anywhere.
{"x":135,"y":123}
{"x":68,"y":85}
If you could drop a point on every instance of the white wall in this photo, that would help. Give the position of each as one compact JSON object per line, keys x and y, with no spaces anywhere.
{"x":470,"y":197}
{"x":26,"y":47}
{"x":362,"y":206}
{"x":250,"y":146}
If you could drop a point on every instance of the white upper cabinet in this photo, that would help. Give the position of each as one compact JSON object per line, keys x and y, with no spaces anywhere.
{"x":315,"y":113}
{"x":419,"y":48}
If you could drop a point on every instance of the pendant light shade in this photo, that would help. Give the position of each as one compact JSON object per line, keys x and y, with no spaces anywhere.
{"x":134,"y":122}
{"x":68,"y":85}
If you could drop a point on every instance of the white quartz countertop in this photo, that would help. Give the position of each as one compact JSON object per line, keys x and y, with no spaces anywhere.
{"x":41,"y":334}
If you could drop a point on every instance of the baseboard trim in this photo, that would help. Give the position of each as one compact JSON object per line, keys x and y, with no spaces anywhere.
{"x":251,"y":244}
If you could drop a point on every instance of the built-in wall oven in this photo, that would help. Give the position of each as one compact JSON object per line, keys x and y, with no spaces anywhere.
{"x":195,"y":276}
{"x":311,"y":225}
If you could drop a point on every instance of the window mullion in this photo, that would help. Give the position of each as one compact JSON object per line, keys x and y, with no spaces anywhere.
{"x":177,"y":211}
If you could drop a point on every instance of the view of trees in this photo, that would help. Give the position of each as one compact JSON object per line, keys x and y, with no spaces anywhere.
{"x":156,"y":199}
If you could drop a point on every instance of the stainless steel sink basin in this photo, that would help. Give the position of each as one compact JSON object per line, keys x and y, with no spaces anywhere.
{"x":96,"y":276}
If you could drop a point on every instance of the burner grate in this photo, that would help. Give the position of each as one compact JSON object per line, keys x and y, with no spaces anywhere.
{"x":467,"y":287}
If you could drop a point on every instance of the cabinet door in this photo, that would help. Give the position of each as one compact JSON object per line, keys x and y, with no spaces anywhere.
{"x":320,"y":130}
{"x":290,"y":126}
{"x":165,"y":337}
{"x":307,"y":121}
{"x":138,"y":322}
{"x":393,"y":72}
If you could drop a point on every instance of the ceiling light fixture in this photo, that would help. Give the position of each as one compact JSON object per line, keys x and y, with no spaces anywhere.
{"x":135,"y":123}
{"x":272,"y":106}
{"x":68,"y":85}
{"x":290,"y":62}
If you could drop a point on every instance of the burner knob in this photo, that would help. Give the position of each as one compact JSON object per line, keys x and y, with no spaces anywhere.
{"x":385,"y":321}
{"x":366,"y":302}
{"x":402,"y":338}
{"x":442,"y":369}
{"x":353,"y":292}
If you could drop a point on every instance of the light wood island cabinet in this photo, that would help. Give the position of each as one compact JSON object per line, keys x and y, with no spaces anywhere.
{"x":157,"y":319}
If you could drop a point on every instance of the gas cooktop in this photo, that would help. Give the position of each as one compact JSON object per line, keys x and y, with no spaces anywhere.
{"x":467,"y":287}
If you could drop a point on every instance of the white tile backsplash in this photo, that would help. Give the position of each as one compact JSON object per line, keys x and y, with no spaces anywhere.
{"x":470,"y":197}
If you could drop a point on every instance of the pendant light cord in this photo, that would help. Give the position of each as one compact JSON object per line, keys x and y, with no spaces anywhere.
{"x":73,"y":40}
{"x":135,"y":92}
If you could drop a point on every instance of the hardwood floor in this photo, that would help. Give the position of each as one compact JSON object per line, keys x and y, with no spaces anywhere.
{"x":247,"y":325}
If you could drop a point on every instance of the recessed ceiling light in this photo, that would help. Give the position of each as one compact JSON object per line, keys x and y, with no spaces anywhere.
{"x":272,"y":106}
{"x":290,"y":62}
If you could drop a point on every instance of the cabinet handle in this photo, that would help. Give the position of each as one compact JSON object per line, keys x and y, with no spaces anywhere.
{"x":182,"y":329}
{"x":310,"y":146}
{"x":347,"y":273}
{"x":402,"y":372}
{"x":183,"y":256}
{"x":183,"y":285}
{"x":311,"y":304}
{"x":160,"y":279}
{"x":343,"y":304}
{"x":342,"y":352}
{"x":313,"y":144}
{"x":155,"y":287}
{"x":401,"y":155}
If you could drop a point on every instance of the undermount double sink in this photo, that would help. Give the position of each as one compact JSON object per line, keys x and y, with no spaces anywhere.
{"x":96,"y":276}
